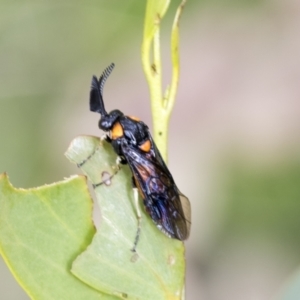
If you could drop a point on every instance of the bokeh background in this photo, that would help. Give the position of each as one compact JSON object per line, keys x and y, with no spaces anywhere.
{"x":234,"y":134}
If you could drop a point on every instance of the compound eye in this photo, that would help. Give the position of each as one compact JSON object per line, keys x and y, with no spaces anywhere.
{"x":105,"y":124}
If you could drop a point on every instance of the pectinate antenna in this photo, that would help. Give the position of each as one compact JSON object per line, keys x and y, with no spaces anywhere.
{"x":96,"y":94}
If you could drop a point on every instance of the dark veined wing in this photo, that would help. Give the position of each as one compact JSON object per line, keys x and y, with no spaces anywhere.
{"x":168,"y":208}
{"x":184,"y":201}
{"x":186,"y":207}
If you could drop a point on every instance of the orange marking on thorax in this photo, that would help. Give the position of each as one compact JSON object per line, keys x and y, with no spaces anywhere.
{"x":146,"y":146}
{"x":134,"y":118}
{"x":117,"y":131}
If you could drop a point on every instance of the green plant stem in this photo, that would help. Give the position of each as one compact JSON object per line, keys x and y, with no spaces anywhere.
{"x":162,"y":103}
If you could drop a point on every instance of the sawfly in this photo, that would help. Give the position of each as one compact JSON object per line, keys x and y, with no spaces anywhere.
{"x":131,"y":140}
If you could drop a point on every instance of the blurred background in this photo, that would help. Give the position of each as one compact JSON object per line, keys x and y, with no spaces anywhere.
{"x":234,"y":134}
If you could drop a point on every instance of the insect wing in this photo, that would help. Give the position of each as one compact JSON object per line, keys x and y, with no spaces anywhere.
{"x":168,"y":208}
{"x":186,"y":207}
{"x":184,"y":201}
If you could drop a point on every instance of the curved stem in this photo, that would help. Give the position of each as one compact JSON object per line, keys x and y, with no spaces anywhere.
{"x":161,"y":103}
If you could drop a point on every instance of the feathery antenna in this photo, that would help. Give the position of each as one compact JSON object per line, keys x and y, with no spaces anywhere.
{"x":96,"y":93}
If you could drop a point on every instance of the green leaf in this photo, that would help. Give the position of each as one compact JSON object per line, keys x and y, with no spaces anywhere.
{"x":157,"y":270}
{"x":42,"y":230}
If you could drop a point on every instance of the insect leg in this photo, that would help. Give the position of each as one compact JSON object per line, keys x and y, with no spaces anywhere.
{"x":106,"y":138}
{"x":139,"y":217}
{"x":79,"y":165}
{"x":120,"y":161}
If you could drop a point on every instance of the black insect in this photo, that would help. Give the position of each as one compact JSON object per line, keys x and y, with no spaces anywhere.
{"x":169,"y":209}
